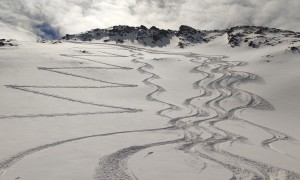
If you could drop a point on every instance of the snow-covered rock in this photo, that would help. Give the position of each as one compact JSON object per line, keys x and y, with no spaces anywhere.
{"x":248,"y":36}
{"x":153,"y":36}
{"x":257,"y":36}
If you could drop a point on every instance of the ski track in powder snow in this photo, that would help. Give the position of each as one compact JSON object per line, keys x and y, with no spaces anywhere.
{"x":219,"y":83}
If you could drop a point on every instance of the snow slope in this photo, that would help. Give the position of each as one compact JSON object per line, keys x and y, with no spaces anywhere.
{"x":93,"y":110}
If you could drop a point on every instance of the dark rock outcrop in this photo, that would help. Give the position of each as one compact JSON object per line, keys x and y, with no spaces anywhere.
{"x":295,"y":49}
{"x":190,"y":34}
{"x":9,"y":42}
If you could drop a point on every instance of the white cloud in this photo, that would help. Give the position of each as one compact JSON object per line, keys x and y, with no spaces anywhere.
{"x":47,"y":18}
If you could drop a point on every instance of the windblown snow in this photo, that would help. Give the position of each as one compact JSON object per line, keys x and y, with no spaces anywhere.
{"x":152,"y":104}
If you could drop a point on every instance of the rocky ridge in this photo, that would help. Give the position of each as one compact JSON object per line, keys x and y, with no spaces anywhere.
{"x":251,"y":36}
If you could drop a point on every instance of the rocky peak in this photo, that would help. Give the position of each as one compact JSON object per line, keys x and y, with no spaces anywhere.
{"x":143,"y":27}
{"x":153,"y":28}
{"x":189,"y":35}
{"x":184,"y":30}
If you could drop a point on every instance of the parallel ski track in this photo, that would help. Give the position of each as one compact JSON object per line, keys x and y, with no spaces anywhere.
{"x":224,"y":85}
{"x":261,"y":171}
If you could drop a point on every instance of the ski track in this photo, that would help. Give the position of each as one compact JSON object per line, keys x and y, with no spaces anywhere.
{"x":59,"y":70}
{"x":211,"y":145}
{"x":158,"y":89}
{"x":219,"y":82}
{"x":8,"y":162}
{"x":114,"y":166}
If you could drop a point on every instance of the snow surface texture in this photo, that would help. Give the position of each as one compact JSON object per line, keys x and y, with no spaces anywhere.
{"x":94,"y":110}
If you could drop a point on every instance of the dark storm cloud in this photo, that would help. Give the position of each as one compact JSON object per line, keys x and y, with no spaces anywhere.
{"x":52,"y":18}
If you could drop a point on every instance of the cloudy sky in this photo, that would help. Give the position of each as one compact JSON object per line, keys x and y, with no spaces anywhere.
{"x":31,"y":19}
